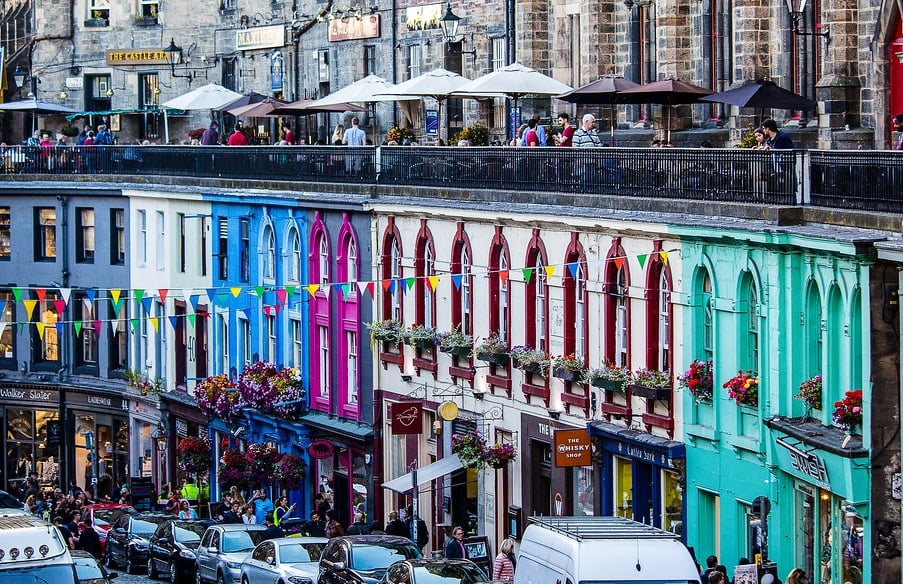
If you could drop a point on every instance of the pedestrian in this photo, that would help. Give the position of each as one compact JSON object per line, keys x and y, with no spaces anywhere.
{"x":710,"y":563}
{"x":185,"y":510}
{"x":231,"y":515}
{"x":359,"y":526}
{"x":540,"y":130}
{"x":321,"y":505}
{"x":238,"y":137}
{"x":355,"y":136}
{"x":315,"y":526}
{"x":716,"y":577}
{"x":503,"y":567}
{"x":272,"y":530}
{"x":376,"y":528}
{"x":565,"y":139}
{"x":796,"y":576}
{"x":396,"y":526}
{"x":759,"y":135}
{"x":334,"y":527}
{"x":586,"y":136}
{"x":88,"y":540}
{"x":898,"y":127}
{"x":288,"y":135}
{"x":775,"y":139}
{"x":530,"y":139}
{"x":248,"y":516}
{"x":210,"y":137}
{"x":338,"y":135}
{"x":262,"y":505}
{"x":423,"y":534}
{"x":103,"y":137}
{"x":236,"y":495}
{"x":283,"y":510}
{"x":454,"y":549}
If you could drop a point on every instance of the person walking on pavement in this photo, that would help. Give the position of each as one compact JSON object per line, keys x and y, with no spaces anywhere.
{"x":503,"y":567}
{"x":210,"y":137}
{"x":454,"y":549}
{"x":272,"y":530}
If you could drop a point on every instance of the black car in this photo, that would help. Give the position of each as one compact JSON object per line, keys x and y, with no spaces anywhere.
{"x":438,"y":571}
{"x":88,"y":571}
{"x":128,"y":540}
{"x":172,"y":549}
{"x":363,"y":559}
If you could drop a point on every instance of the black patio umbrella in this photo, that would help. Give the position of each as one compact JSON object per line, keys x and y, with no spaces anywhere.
{"x":244,"y":100}
{"x":761,"y":94}
{"x":668,"y":92}
{"x":603,"y":91}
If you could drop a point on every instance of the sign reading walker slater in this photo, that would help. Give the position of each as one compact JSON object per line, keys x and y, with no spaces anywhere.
{"x":29,"y":395}
{"x":260,"y":37}
{"x":137,"y":57}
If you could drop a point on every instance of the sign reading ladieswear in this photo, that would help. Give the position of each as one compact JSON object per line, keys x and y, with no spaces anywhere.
{"x":407,"y":417}
{"x":573,"y":448}
{"x":260,"y":37}
{"x":348,"y":29}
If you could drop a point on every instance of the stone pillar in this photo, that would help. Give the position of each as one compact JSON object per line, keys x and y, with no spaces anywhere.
{"x":838,"y":89}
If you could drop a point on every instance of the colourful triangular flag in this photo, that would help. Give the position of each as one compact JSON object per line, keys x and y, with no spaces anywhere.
{"x":281,"y":295}
{"x":456,"y":280}
{"x":290,"y":291}
{"x":550,"y":271}
{"x":434,"y":281}
{"x":258,"y":290}
{"x":17,"y":294}
{"x":572,"y":267}
{"x":139,"y":294}
{"x":235,"y":291}
{"x":97,"y":326}
{"x":664,"y":255}
{"x":114,"y":295}
{"x":146,"y":303}
{"x":411,"y":282}
{"x":66,"y":293}
{"x":59,"y":329}
{"x":312,"y":289}
{"x":91,"y":294}
{"x":117,"y":306}
{"x":192,"y":318}
{"x":155,"y":323}
{"x":173,"y":321}
{"x":78,"y":328}
{"x":40,"y":326}
{"x":642,"y":259}
{"x":114,"y":324}
{"x":41,"y":293}
{"x":162,"y":293}
{"x":503,"y":275}
{"x":392,"y":287}
{"x":528,"y":273}
{"x":619,"y":262}
{"x":402,"y":285}
{"x":136,"y":324}
{"x":29,"y":307}
{"x":60,"y":306}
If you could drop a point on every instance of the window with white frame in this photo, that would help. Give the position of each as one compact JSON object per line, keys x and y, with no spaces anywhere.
{"x":148,"y":8}
{"x":224,"y":364}
{"x":99,"y":10}
{"x":415,"y":58}
{"x":621,"y":318}
{"x":323,"y":259}
{"x":323,"y":357}
{"x":351,"y":340}
{"x":752,"y":328}
{"x":161,"y":240}
{"x":466,"y":299}
{"x":245,"y":332}
{"x":85,"y":235}
{"x":297,"y":346}
{"x":579,"y":310}
{"x":429,"y":297}
{"x":708,"y":319}
{"x":504,"y":299}
{"x":395,"y":265}
{"x":351,"y":262}
{"x":269,"y":262}
{"x":499,"y":49}
{"x":541,"y":304}
{"x":271,"y":338}
{"x":294,"y":268}
{"x":143,"y":323}
{"x":142,"y":237}
{"x":664,"y":322}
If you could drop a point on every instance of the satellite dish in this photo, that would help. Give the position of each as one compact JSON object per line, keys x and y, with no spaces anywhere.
{"x":448,"y":411}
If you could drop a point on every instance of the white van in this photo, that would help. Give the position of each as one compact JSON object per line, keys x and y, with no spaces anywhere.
{"x":597,"y":550}
{"x":32,"y":550}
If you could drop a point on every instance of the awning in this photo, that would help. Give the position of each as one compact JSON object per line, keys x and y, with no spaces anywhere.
{"x":122,"y":112}
{"x":427,"y":474}
{"x":332,"y":425}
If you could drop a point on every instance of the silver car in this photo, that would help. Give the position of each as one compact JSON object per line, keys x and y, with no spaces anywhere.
{"x":222,"y":550}
{"x":287,"y":560}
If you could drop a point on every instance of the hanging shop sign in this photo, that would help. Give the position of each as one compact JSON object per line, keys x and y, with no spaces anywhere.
{"x":573,"y":448}
{"x":320,"y":449}
{"x":407,"y":417}
{"x":136,"y":57}
{"x":260,"y":37}
{"x":352,"y":28}
{"x":425,"y":17}
{"x":807,"y":463}
{"x":277,"y":70}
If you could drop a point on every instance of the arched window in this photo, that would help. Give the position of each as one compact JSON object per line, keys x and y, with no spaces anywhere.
{"x":616,"y":307}
{"x":708,"y":318}
{"x":575,"y":300}
{"x":269,"y":259}
{"x":461,"y":269}
{"x":323,"y":263}
{"x":348,"y":339}
{"x":320,"y":324}
{"x":814,"y":322}
{"x":425,"y":270}
{"x":294,"y":259}
{"x":391,"y":268}
{"x":750,"y":339}
{"x":537,"y":296}
{"x":499,"y":287}
{"x":658,"y":312}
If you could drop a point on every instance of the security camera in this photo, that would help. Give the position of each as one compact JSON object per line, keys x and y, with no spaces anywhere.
{"x":238,"y":432}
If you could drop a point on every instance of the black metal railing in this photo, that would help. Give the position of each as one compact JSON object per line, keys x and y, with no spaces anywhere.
{"x":861,"y":180}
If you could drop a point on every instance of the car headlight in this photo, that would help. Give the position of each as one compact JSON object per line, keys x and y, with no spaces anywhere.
{"x":234,"y":565}
{"x":188,"y":554}
{"x":299,"y":580}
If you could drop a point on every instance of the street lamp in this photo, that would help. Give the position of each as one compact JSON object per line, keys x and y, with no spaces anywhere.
{"x":21,"y":76}
{"x":173,"y":58}
{"x":450,"y":23}
{"x":796,"y":8}
{"x":160,"y":437}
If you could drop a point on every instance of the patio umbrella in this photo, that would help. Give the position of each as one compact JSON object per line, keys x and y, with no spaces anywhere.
{"x":761,"y":94}
{"x":667,"y":92}
{"x":514,"y":81}
{"x":208,"y":97}
{"x":36,"y":107}
{"x":602,"y":91}
{"x":246,"y":99}
{"x":304,"y":107}
{"x":370,"y":89}
{"x":258,"y":110}
{"x":438,"y":84}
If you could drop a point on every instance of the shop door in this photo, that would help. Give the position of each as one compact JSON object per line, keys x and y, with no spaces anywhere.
{"x":341,"y":497}
{"x":805,"y":531}
{"x":642,"y":493}
{"x":181,"y":353}
{"x":542,"y":478}
{"x":200,"y":366}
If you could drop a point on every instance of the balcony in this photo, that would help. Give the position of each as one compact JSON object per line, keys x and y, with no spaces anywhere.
{"x":787,"y":187}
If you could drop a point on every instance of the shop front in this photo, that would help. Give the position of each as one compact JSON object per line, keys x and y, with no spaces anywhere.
{"x":180,"y":417}
{"x":32,"y":433}
{"x":641,"y":475}
{"x":824,"y":476}
{"x":101,"y":442}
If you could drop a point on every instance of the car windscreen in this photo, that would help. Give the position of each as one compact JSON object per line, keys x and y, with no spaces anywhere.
{"x":379,"y":557}
{"x":87,"y":569}
{"x":240,"y":541}
{"x":145,"y":527}
{"x":7,"y":501}
{"x":62,"y":574}
{"x":296,"y":553}
{"x":449,"y":574}
{"x":105,"y":516}
{"x":189,"y":534}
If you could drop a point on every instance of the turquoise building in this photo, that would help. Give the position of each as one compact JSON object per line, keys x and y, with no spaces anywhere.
{"x":783,"y":305}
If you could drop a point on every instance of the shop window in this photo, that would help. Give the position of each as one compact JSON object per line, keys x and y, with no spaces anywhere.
{"x":28,"y":449}
{"x":244,"y":231}
{"x":45,"y":234}
{"x":623,"y":493}
{"x":7,"y":329}
{"x":672,"y":502}
{"x":5,"y":235}
{"x":583,"y":489}
{"x":117,"y":237}
{"x":142,"y":238}
{"x":852,"y":536}
{"x":84,"y":234}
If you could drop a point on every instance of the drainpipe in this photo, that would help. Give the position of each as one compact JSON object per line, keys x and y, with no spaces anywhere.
{"x":394,"y":64}
{"x":64,"y":373}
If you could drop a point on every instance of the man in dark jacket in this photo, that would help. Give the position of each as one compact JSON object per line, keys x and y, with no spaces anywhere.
{"x":315,"y":527}
{"x":272,"y":531}
{"x":88,"y":540}
{"x":396,"y":526}
{"x":359,"y":527}
{"x":423,"y":534}
{"x":210,"y":137}
{"x":232,"y":515}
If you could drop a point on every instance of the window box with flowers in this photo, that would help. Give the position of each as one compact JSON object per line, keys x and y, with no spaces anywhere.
{"x":455,"y":343}
{"x":272,"y":391}
{"x":494,"y":350}
{"x":568,"y":368}
{"x":651,"y":384}
{"x":390,"y":330}
{"x":848,"y":411}
{"x":743,"y":388}
{"x":420,"y":336}
{"x":218,"y":397}
{"x":470,"y":448}
{"x":530,"y":360}
{"x":499,"y":455}
{"x":609,"y":377}
{"x":698,"y":379}
{"x":810,"y":394}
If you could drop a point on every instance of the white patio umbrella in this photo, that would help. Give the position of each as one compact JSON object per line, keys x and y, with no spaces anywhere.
{"x":515,"y":81}
{"x":368,"y":90}
{"x":438,"y":84}
{"x":207,"y":97}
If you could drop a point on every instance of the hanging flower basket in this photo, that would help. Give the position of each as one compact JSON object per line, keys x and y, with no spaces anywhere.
{"x":421,"y":337}
{"x":848,"y":411}
{"x":499,"y":455}
{"x":455,"y":342}
{"x":493,"y":349}
{"x":501,"y":359}
{"x":218,"y":397}
{"x":810,"y":392}
{"x":262,"y":460}
{"x":651,"y":384}
{"x":388,"y":331}
{"x":195,"y":455}
{"x":470,"y":448}
{"x":610,"y":377}
{"x":698,"y":379}
{"x":234,"y":468}
{"x":530,"y":360}
{"x":273,"y":391}
{"x":289,"y":471}
{"x":743,"y":388}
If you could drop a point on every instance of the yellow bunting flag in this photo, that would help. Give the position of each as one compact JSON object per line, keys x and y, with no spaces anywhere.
{"x":114,"y":294}
{"x":40,"y":326}
{"x":312,"y":288}
{"x":664,"y":255}
{"x":235,"y":291}
{"x":29,"y":307}
{"x":155,"y":322}
{"x":550,"y":271}
{"x":434,"y":281}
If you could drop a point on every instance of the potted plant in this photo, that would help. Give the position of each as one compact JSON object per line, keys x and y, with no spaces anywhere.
{"x":273,"y":391}
{"x":698,"y":379}
{"x":145,"y":19}
{"x":568,"y":368}
{"x":651,"y":384}
{"x":610,"y":377}
{"x":234,"y":468}
{"x":218,"y":397}
{"x":455,"y":342}
{"x":530,"y":360}
{"x":399,"y":135}
{"x":262,"y":460}
{"x":420,"y":336}
{"x":848,"y":411}
{"x":493,"y":349}
{"x":743,"y":388}
{"x":195,"y":455}
{"x":290,"y":471}
{"x":498,"y":455}
{"x":390,"y":330}
{"x":98,"y":18}
{"x":470,"y":448}
{"x":810,"y":392}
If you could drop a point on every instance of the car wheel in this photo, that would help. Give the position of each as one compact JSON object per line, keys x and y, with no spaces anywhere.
{"x":197,"y":576}
{"x":108,"y":559}
{"x":173,"y":573}
{"x":129,"y":565}
{"x":151,"y":568}
{"x":220,"y":579}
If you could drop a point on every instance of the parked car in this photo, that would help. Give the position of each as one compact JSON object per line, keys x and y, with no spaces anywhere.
{"x":434,"y":571}
{"x":103,"y":515}
{"x":171,"y":549}
{"x":7,"y":501}
{"x":223,"y":548}
{"x":364,"y":559}
{"x":287,"y":560}
{"x":127,"y":540}
{"x":88,"y":570}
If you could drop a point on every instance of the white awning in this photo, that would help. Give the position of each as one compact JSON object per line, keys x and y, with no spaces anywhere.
{"x":427,"y":474}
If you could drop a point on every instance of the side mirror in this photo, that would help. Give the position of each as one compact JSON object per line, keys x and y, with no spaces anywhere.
{"x":271,"y":560}
{"x":163,"y":541}
{"x":120,"y":530}
{"x":112,"y":575}
{"x":212,"y":550}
